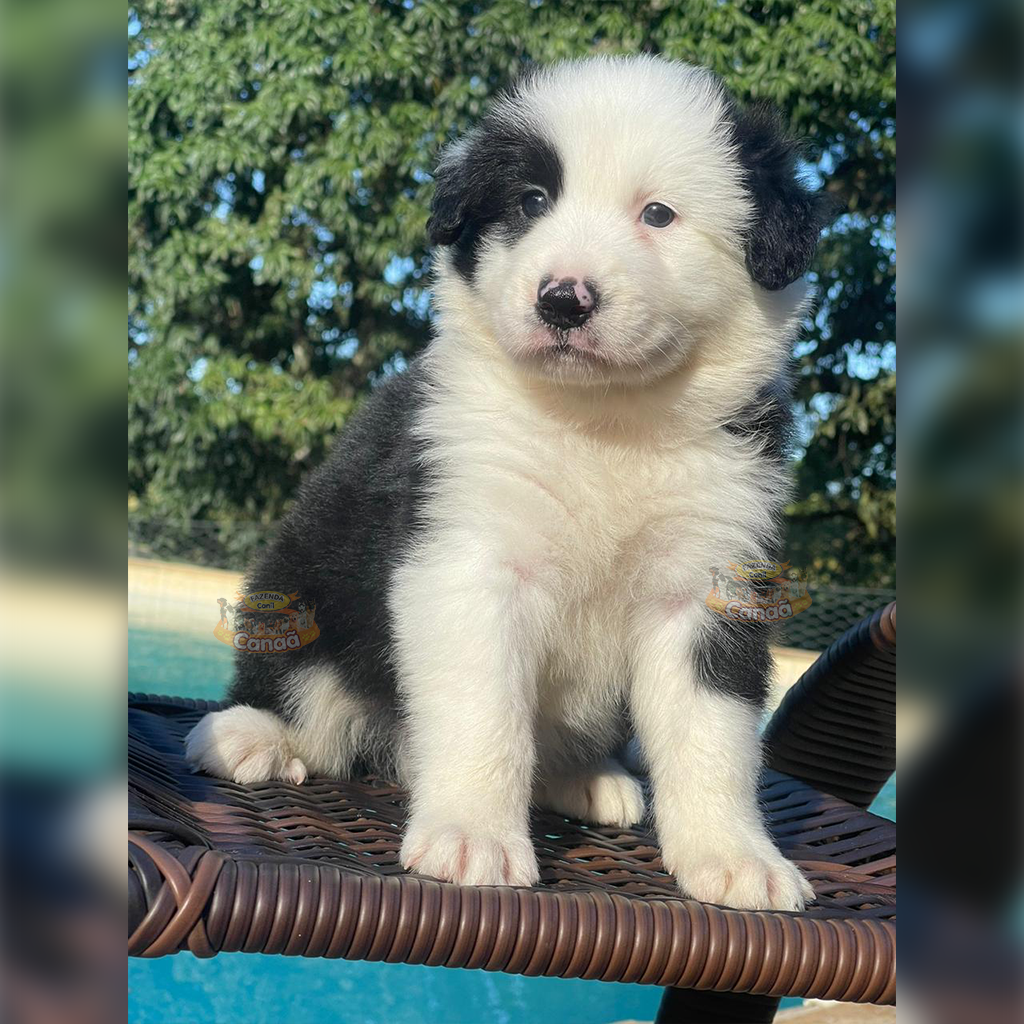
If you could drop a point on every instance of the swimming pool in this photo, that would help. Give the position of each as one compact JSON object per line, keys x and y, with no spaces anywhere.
{"x":239,"y":988}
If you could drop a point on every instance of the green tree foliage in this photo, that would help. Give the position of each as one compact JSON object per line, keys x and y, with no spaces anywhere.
{"x":280,"y":158}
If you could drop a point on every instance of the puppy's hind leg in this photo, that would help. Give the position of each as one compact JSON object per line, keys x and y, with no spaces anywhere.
{"x":601,"y":794}
{"x":244,"y":744}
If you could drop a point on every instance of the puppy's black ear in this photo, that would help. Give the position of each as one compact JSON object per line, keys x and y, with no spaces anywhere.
{"x":788,"y":217}
{"x":448,"y":209}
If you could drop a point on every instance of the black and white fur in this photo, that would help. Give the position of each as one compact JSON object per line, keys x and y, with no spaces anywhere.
{"x":510,"y":543}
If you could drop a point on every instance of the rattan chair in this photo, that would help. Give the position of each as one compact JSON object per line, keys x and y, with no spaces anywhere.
{"x":313,"y":870}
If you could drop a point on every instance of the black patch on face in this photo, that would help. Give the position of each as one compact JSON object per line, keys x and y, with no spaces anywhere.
{"x":480,"y":186}
{"x":788,"y":218}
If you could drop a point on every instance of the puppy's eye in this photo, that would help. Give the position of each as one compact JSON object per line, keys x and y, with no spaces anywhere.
{"x":658,"y":215}
{"x":535,"y":203}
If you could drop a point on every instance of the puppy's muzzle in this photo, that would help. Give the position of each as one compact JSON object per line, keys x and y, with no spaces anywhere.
{"x":565,"y":302}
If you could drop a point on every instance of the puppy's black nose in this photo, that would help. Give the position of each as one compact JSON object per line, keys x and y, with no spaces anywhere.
{"x":565,"y":302}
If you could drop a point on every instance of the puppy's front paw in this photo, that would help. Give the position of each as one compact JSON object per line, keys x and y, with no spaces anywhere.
{"x":606,"y":795}
{"x":454,"y":853}
{"x":755,"y":878}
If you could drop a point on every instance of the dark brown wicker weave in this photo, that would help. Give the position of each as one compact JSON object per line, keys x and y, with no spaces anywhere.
{"x":313,"y":870}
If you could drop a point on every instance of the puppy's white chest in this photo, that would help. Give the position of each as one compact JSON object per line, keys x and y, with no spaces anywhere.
{"x":591,"y":515}
{"x":591,"y":520}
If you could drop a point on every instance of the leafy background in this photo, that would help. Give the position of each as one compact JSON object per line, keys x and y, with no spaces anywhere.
{"x":280,"y":159}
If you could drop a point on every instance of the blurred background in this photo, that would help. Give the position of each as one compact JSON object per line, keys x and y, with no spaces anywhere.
{"x":279,"y":173}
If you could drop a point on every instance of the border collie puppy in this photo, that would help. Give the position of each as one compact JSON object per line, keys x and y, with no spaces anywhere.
{"x":509,"y":547}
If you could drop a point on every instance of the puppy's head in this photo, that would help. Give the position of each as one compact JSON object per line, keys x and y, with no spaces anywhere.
{"x":609,"y":214}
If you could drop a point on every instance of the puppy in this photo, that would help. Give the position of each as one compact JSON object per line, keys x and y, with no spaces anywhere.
{"x":508,"y":547}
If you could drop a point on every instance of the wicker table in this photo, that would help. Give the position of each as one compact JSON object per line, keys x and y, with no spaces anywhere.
{"x":313,"y":870}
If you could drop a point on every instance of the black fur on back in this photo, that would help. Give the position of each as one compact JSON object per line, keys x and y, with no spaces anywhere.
{"x":349,"y":527}
{"x":788,"y":216}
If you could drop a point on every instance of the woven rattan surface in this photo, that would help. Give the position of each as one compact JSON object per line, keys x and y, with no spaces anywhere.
{"x":313,"y":870}
{"x":836,"y":728}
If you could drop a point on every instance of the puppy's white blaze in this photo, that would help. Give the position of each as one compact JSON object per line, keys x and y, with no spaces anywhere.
{"x":666,"y":115}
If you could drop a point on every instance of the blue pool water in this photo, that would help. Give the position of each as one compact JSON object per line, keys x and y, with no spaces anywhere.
{"x":239,"y":988}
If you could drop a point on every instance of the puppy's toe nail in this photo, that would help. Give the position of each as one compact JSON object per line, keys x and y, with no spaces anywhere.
{"x":295,"y":772}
